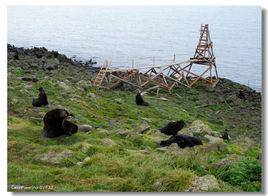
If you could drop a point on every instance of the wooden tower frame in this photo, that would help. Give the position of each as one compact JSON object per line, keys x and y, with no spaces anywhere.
{"x":205,"y":60}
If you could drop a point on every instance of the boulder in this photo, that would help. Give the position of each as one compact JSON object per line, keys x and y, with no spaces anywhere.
{"x":54,"y":157}
{"x":214,"y":144}
{"x":118,"y":100}
{"x":85,"y":128}
{"x":108,"y":142}
{"x":143,"y":127}
{"x":92,"y":95}
{"x":47,"y":77}
{"x":157,"y":185}
{"x":173,"y":146}
{"x":14,"y":101}
{"x":84,"y":84}
{"x":50,"y":67}
{"x":198,"y":128}
{"x":64,"y":86}
{"x":204,"y":184}
{"x":123,"y":133}
{"x":84,"y":162}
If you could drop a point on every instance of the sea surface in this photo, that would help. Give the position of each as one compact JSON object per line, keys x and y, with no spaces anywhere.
{"x":140,"y":36}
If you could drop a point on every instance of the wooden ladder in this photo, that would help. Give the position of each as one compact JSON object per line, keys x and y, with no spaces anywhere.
{"x":100,"y":76}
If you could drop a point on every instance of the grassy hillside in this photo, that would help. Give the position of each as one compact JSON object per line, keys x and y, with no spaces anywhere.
{"x":115,"y":156}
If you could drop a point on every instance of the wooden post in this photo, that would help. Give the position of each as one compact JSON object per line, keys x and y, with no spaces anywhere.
{"x":174,"y":58}
{"x":132,"y":63}
{"x":153,"y":61}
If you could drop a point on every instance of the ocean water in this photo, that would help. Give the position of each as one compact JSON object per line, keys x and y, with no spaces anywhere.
{"x":121,"y":34}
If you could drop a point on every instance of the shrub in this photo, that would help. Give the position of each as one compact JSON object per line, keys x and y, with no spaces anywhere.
{"x":246,"y":173}
{"x":177,"y":181}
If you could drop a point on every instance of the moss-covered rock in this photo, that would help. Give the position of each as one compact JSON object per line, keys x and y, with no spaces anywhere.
{"x":204,"y":184}
{"x":54,"y":157}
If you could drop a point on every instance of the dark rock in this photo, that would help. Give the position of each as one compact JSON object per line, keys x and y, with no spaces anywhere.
{"x":90,"y":62}
{"x":16,"y":56}
{"x":29,"y":79}
{"x":241,"y":95}
{"x":55,"y":53}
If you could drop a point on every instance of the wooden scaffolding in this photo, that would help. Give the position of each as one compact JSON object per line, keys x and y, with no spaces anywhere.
{"x":201,"y":67}
{"x":203,"y":58}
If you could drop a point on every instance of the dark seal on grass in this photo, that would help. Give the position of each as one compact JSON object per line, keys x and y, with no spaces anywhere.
{"x":41,"y":100}
{"x":183,"y":141}
{"x":140,"y":101}
{"x":56,"y":123}
{"x":172,"y":128}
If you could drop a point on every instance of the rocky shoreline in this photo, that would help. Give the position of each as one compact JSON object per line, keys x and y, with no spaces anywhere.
{"x":42,"y":55}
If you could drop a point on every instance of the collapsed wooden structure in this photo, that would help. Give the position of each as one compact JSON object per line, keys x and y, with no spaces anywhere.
{"x":201,"y":66}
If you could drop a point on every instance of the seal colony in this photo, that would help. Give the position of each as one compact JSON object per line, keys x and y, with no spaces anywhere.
{"x":56,"y":124}
{"x":112,"y":142}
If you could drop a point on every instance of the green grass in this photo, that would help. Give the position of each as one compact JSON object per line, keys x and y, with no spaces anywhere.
{"x":129,"y":164}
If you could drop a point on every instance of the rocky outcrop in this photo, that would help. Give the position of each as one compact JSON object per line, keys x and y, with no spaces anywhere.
{"x":143,"y":127}
{"x":53,"y":157}
{"x":199,"y":129}
{"x":214,"y":144}
{"x":43,"y":56}
{"x":204,"y":184}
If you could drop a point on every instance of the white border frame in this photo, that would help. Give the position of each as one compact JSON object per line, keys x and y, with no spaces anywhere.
{"x":3,"y":61}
